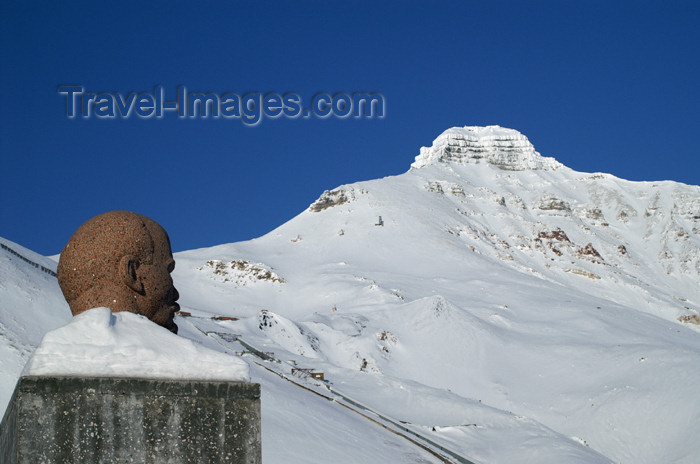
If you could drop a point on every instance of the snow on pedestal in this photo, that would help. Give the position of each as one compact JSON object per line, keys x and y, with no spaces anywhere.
{"x":100,"y":343}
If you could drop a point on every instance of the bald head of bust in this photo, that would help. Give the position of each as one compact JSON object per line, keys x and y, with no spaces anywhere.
{"x":121,"y":260}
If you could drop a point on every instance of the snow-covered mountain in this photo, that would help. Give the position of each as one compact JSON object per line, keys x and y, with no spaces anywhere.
{"x":490,"y":301}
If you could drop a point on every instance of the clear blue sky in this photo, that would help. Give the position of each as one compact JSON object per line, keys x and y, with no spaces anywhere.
{"x":600,"y":85}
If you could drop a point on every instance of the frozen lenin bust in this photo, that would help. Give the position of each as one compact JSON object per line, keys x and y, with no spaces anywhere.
{"x":120,"y":260}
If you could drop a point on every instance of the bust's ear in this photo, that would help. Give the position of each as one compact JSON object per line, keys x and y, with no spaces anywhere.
{"x":127,"y":271}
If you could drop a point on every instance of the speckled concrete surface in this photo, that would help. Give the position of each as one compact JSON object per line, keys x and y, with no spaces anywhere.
{"x":114,"y":420}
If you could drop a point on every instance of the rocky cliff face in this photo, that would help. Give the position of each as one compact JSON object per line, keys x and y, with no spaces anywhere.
{"x":504,"y":148}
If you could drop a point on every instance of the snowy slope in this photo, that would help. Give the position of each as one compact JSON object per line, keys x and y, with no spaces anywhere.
{"x":492,"y":300}
{"x":31,"y":303}
{"x":298,"y":426}
{"x":498,"y":278}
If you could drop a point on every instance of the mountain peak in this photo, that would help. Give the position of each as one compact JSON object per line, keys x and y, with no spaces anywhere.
{"x":504,"y":148}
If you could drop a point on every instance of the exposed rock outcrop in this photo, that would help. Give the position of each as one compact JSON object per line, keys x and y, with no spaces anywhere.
{"x":504,"y":148}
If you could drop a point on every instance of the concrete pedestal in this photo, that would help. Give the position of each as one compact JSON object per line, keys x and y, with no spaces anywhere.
{"x":121,"y":420}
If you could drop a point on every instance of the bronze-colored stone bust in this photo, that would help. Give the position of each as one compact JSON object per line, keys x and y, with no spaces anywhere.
{"x":121,"y":260}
